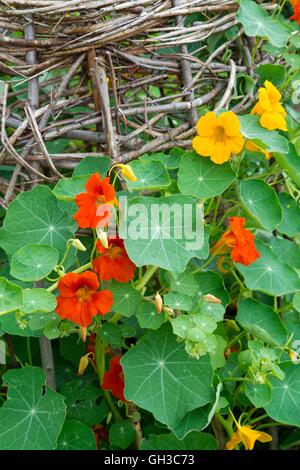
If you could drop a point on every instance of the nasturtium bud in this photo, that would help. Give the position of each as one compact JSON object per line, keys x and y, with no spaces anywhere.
{"x":102,"y":236}
{"x":126,"y":171}
{"x":84,"y":362}
{"x":76,"y":243}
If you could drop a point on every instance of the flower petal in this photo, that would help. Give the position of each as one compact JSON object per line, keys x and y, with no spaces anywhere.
{"x":231,"y":124}
{"x":273,"y":92}
{"x":221,"y":153}
{"x":203,"y":145}
{"x":207,"y":124}
{"x":272,"y":121}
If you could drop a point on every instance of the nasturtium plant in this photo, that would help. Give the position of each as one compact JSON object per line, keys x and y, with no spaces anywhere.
{"x":150,"y":259}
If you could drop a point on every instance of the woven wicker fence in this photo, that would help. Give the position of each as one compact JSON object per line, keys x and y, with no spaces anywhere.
{"x":118,"y":78}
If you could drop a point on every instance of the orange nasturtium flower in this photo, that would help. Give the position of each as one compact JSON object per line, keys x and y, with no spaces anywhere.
{"x":113,"y":262}
{"x":238,"y":241}
{"x":113,"y":379}
{"x":256,"y":148}
{"x":80,"y":300}
{"x":272,"y":113}
{"x":247,"y":436}
{"x":296,"y":15}
{"x":95,"y":205}
{"x":218,"y":136}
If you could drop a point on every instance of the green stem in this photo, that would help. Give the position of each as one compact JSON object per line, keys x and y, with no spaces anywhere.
{"x":100,"y":364}
{"x":260,"y":418}
{"x":237,"y":279}
{"x":100,"y":357}
{"x":227,"y":424}
{"x":94,"y":248}
{"x":76,"y":271}
{"x":147,"y":276}
{"x":69,"y":245}
{"x":29,"y":350}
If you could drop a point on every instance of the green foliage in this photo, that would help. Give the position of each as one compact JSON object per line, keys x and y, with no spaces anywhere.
{"x":257,"y":22}
{"x":30,"y":419}
{"x":34,"y":217}
{"x":261,"y":203}
{"x":201,"y":178}
{"x":33,"y":262}
{"x":269,"y":274}
{"x":76,"y":435}
{"x":157,"y":366}
{"x":150,"y":175}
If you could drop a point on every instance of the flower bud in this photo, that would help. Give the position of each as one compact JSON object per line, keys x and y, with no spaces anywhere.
{"x":82,"y":333}
{"x":158,"y":303}
{"x":76,"y":243}
{"x":84,"y":362}
{"x":293,"y":356}
{"x":211,"y":299}
{"x":126,"y":171}
{"x":102,"y":236}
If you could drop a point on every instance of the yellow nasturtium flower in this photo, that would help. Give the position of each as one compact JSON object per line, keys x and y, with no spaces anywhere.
{"x":272,"y":113}
{"x":218,"y":136}
{"x":256,"y":148}
{"x":247,"y":436}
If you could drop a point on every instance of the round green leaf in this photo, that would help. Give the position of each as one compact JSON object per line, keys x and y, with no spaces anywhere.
{"x":200,"y":177}
{"x":11,"y":296}
{"x":80,"y":398}
{"x":170,"y":160}
{"x":257,"y":22}
{"x":35,"y":217}
{"x":272,"y":72}
{"x":39,"y":321}
{"x":198,"y":419}
{"x":126,"y":299}
{"x":185,"y":283}
{"x":259,"y":394}
{"x":269,"y":274}
{"x":156,"y":367}
{"x":38,"y":300}
{"x":290,"y":163}
{"x":148,"y":317}
{"x":262,"y":322}
{"x":90,"y":165}
{"x":287,"y":251}
{"x":67,"y":188}
{"x":285,"y":404}
{"x":10,"y":325}
{"x":290,"y":224}
{"x":33,"y":415}
{"x":151,"y":175}
{"x":33,"y":262}
{"x":178,"y":301}
{"x":271,"y":141}
{"x":76,"y":436}
{"x":165,"y":232}
{"x":121,"y":435}
{"x":211,"y":283}
{"x":111,"y":334}
{"x":260,"y":200}
{"x":193,"y":441}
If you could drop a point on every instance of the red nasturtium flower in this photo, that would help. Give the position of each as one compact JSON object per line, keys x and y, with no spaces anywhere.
{"x":80,"y":300}
{"x":95,"y":205}
{"x":113,"y":379}
{"x":113,"y":262}
{"x":296,"y":15}
{"x":239,"y":241}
